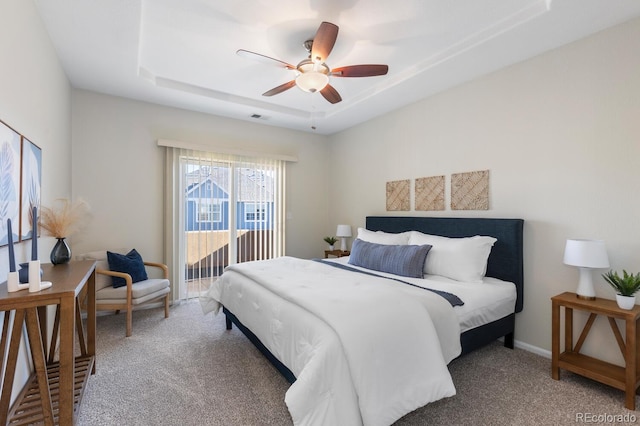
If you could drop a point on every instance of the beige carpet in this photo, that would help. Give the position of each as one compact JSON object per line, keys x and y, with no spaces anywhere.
{"x":188,"y":370}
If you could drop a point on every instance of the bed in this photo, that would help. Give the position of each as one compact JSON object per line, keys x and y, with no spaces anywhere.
{"x":333,"y":379}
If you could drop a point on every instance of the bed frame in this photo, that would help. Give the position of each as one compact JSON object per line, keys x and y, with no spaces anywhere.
{"x":505,"y":262}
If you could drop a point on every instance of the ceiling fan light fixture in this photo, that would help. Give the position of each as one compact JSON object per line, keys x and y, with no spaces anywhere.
{"x":313,"y":81}
{"x":313,"y":76}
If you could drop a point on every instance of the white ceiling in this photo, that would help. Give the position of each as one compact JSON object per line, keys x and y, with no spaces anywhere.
{"x":181,"y":53}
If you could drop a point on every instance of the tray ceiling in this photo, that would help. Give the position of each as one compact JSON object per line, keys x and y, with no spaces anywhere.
{"x":182,"y":53}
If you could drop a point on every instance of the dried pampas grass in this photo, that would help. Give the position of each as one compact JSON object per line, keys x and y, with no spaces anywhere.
{"x":64,"y":218}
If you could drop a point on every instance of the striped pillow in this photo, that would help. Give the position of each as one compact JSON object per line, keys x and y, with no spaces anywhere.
{"x":404,"y":260}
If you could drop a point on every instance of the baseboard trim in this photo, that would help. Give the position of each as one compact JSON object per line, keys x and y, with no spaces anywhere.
{"x":533,"y":349}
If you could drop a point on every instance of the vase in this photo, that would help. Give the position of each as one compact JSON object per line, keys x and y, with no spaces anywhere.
{"x":626,"y":302}
{"x":23,"y":273}
{"x":331,"y":247}
{"x":61,"y":252}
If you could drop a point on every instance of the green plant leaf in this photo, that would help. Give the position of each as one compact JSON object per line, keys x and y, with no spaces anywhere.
{"x":625,"y":285}
{"x":330,"y":240}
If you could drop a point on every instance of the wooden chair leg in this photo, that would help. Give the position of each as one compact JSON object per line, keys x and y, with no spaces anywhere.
{"x":166,"y":306}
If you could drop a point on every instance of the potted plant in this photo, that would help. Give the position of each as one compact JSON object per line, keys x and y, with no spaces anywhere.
{"x":625,"y":286}
{"x":331,"y":241}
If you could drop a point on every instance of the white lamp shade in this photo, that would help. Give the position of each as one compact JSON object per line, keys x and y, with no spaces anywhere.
{"x":343,"y":231}
{"x":586,"y":254}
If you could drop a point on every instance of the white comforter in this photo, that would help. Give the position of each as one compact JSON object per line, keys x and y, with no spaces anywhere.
{"x":364,"y":349}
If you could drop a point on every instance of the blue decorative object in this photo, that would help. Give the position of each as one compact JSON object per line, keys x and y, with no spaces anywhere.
{"x":131,"y":264}
{"x":23,"y":273}
{"x":34,"y":234}
{"x":12,"y":257}
{"x":61,"y":252}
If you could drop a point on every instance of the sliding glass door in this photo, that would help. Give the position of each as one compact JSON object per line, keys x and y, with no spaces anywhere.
{"x":231,"y":211}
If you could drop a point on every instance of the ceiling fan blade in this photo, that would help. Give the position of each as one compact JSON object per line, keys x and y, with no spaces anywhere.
{"x":331,"y":94}
{"x":264,"y":59}
{"x":323,"y":41}
{"x":360,"y":71}
{"x":280,"y":89}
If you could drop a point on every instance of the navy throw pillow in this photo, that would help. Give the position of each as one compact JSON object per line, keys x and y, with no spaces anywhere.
{"x":405,"y":260}
{"x":130,"y":263}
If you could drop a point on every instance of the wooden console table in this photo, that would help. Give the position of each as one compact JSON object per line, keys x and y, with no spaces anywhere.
{"x":54,"y":391}
{"x":625,"y":378}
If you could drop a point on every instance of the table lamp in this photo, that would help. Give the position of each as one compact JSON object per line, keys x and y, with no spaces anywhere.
{"x":586,"y":255}
{"x":343,"y":232}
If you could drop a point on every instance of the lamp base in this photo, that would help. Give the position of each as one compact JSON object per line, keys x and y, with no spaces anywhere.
{"x":581,"y":297}
{"x":585,"y":289}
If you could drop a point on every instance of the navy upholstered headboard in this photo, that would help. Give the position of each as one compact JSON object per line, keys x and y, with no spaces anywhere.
{"x":506,"y":258}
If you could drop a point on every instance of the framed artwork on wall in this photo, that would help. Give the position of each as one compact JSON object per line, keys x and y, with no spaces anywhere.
{"x":9,"y":182}
{"x":398,"y":193}
{"x":470,"y":190}
{"x":430,"y":193}
{"x":31,"y":184}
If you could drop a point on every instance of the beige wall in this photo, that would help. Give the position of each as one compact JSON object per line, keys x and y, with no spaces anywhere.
{"x":35,"y":100}
{"x":560,"y":134}
{"x":119,"y":169}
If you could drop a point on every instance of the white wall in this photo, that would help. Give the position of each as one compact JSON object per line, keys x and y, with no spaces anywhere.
{"x":560,"y":134}
{"x":119,"y":170}
{"x":35,"y":100}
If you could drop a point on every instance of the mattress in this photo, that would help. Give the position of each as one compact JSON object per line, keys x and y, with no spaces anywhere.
{"x":484,"y":302}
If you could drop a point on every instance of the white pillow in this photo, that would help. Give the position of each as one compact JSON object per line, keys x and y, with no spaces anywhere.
{"x":461,"y":259}
{"x":380,"y":237}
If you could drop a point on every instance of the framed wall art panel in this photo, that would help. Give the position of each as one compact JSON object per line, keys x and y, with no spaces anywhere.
{"x":31,"y":184}
{"x":430,"y":193}
{"x":9,"y":182}
{"x":470,"y":190}
{"x":398,"y":195}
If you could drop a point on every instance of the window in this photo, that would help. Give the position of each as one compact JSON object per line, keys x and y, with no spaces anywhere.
{"x":254,"y":212}
{"x":209,"y":211}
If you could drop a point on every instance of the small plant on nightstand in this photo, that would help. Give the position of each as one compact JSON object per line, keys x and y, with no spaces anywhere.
{"x":331,"y":241}
{"x":626,"y":286}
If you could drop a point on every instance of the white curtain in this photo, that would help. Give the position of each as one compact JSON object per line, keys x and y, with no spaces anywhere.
{"x":220,"y":209}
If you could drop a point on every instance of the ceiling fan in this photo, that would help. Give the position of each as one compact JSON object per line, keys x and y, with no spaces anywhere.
{"x":313,"y":73}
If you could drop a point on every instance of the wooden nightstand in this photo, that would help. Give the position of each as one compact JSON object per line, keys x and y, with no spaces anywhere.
{"x":336,"y":253}
{"x":625,"y":378}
